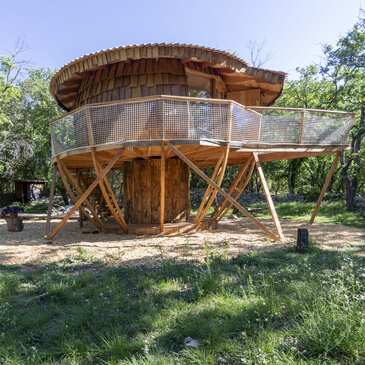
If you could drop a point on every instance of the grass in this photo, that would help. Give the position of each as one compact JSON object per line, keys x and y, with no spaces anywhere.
{"x":330,"y":212}
{"x":38,"y":206}
{"x":277,"y":307}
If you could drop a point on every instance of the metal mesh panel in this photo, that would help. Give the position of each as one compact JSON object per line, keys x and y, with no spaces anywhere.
{"x":307,"y":127}
{"x":326,"y":128}
{"x":193,"y":119}
{"x":245,"y":125}
{"x":280,"y":126}
{"x":139,"y":121}
{"x":69,"y":132}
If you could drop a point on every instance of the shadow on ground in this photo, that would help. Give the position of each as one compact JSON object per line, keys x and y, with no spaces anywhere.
{"x":250,"y":309}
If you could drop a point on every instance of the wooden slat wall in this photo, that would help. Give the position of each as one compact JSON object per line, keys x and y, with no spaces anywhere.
{"x":246,"y":97}
{"x":132,"y":79}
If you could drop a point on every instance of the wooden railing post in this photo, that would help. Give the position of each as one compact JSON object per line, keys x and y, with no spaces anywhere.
{"x":89,"y":127}
{"x":301,"y":130}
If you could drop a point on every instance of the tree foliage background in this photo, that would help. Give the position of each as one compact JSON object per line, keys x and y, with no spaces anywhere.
{"x":337,"y":82}
{"x":26,"y":107}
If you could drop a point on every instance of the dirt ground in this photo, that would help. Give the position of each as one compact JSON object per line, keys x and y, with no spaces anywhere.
{"x":231,"y":238}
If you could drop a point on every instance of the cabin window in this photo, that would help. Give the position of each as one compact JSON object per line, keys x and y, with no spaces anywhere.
{"x":196,"y":93}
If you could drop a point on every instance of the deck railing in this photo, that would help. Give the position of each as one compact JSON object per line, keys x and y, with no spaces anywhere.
{"x":189,"y":120}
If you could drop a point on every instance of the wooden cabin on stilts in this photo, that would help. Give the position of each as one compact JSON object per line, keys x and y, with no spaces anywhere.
{"x":151,"y":114}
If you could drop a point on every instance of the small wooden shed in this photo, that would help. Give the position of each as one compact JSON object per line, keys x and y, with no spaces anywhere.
{"x":27,"y":190}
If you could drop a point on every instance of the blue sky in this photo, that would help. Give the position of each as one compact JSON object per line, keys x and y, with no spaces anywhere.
{"x":57,"y":31}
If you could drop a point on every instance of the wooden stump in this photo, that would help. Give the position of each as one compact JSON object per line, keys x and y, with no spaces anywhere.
{"x":302,"y":240}
{"x":142,"y":191}
{"x":14,"y":224}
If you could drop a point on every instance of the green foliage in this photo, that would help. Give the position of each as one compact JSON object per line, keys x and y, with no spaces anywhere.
{"x":337,"y":83}
{"x":26,"y":108}
{"x":277,"y":307}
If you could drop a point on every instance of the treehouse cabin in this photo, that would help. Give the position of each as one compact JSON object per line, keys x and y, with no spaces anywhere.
{"x":151,"y":114}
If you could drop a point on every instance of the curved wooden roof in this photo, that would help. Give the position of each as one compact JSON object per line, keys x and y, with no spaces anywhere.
{"x":235,"y":72}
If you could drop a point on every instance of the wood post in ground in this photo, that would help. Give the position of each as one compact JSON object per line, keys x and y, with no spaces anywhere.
{"x":302,"y":240}
{"x":244,"y":211}
{"x":85,"y":195}
{"x":325,"y":187}
{"x":162,"y":188}
{"x":50,"y":201}
{"x":268,"y":197}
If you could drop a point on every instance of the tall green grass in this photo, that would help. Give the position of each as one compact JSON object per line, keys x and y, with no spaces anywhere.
{"x":277,"y":307}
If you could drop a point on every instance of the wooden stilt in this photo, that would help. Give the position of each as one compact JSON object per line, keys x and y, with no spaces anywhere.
{"x":108,"y":194}
{"x":85,"y":194}
{"x":81,"y":212}
{"x":69,"y":182}
{"x":213,"y":192}
{"x":268,"y":197}
{"x":325,"y":187}
{"x":235,"y":190}
{"x":50,"y":201}
{"x":162,"y":188}
{"x":224,"y":194}
{"x":209,"y":188}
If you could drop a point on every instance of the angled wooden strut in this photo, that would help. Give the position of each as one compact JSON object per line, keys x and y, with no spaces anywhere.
{"x":50,"y":201}
{"x":236,"y":188}
{"x":268,"y":197}
{"x":85,"y":194}
{"x":108,"y":194}
{"x":325,"y":187}
{"x":244,"y":211}
{"x":69,"y":182}
{"x":211,"y":192}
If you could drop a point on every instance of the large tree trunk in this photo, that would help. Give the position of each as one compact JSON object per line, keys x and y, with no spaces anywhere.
{"x":142,"y":191}
{"x":351,"y":164}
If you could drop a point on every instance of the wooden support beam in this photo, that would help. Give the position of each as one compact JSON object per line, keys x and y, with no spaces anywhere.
{"x":85,"y":194}
{"x":50,"y":201}
{"x":325,"y":187}
{"x":213,"y":192}
{"x":162,"y":188}
{"x":233,"y":190}
{"x":268,"y":197}
{"x":69,"y":182}
{"x":244,"y":211}
{"x":208,"y":190}
{"x":108,"y":194}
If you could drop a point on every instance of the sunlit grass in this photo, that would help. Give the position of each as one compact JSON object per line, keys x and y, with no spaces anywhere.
{"x":263,"y":308}
{"x":330,"y":212}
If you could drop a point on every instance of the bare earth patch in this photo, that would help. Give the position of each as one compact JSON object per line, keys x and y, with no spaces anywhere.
{"x":231,"y":238}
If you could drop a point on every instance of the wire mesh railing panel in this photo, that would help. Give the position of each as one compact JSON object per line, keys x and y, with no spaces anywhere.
{"x":140,"y":121}
{"x":208,"y":121}
{"x":304,"y":127}
{"x":326,"y":128}
{"x":69,"y":132}
{"x":175,"y":118}
{"x":246,"y":125}
{"x":280,"y":126}
{"x":194,"y":119}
